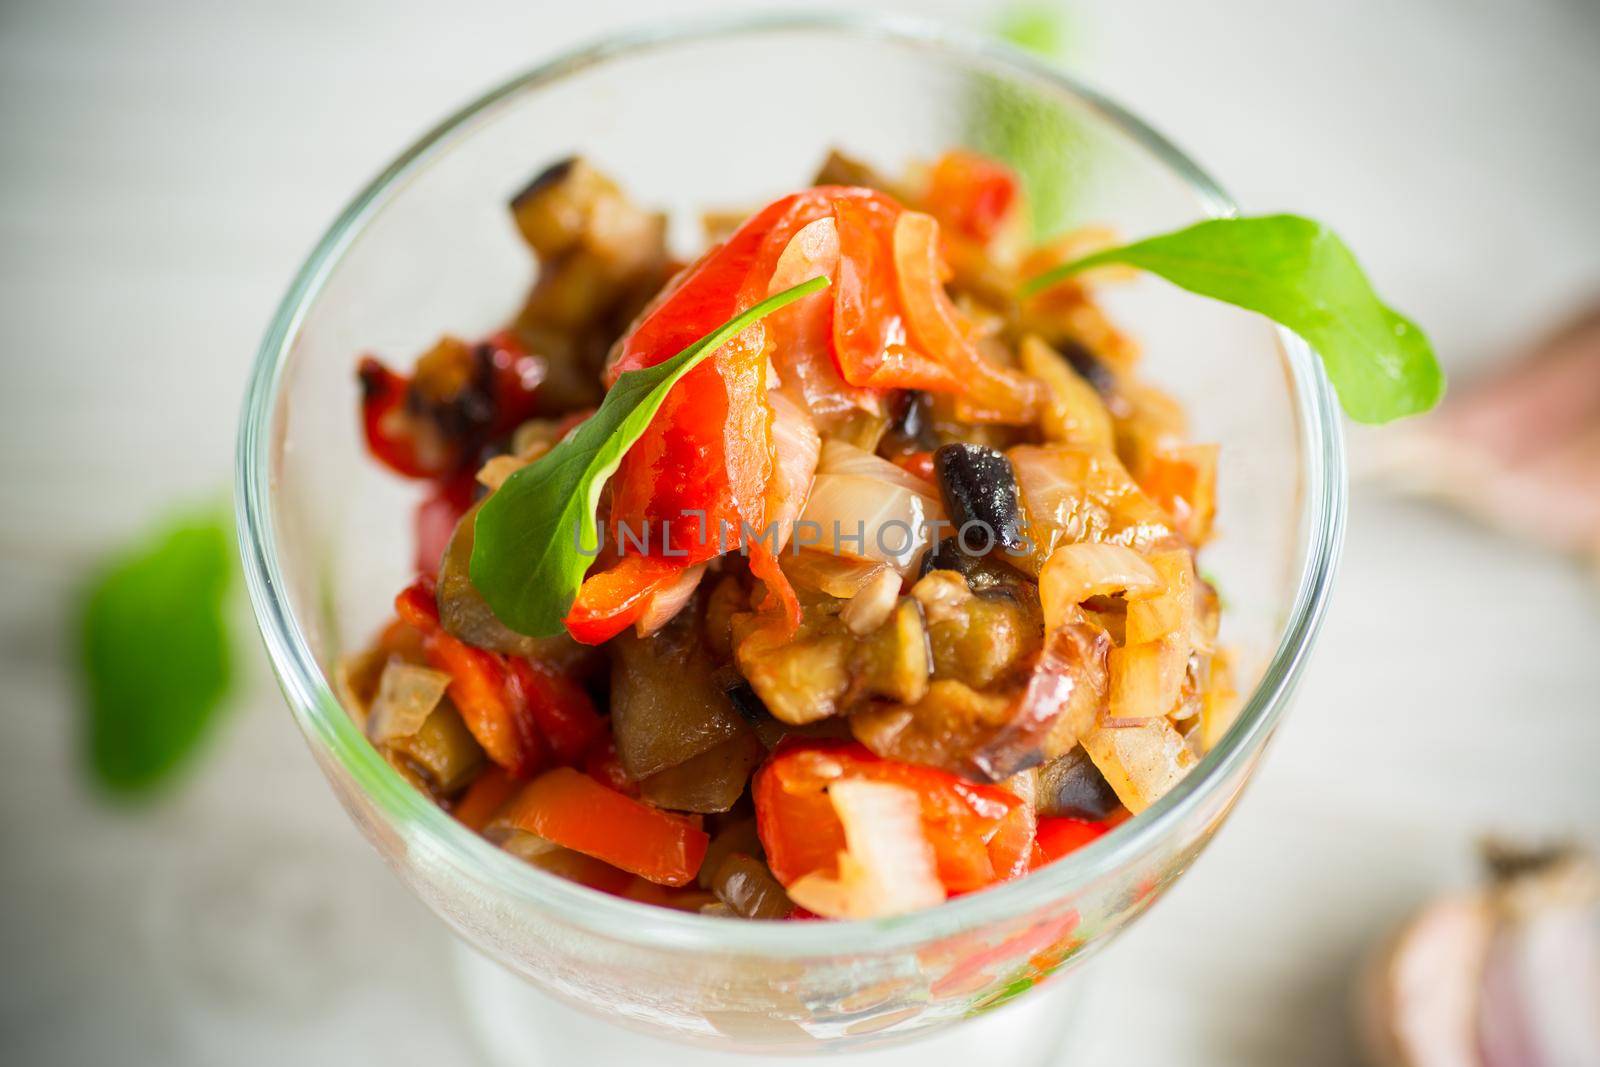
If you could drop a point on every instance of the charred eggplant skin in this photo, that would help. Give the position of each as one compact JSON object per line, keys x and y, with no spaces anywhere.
{"x":984,"y":574}
{"x":911,"y":421}
{"x":979,"y":487}
{"x":551,"y":175}
{"x":1071,"y":785}
{"x":1089,"y":367}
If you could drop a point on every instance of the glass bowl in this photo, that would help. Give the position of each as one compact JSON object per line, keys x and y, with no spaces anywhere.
{"x":734,"y":114}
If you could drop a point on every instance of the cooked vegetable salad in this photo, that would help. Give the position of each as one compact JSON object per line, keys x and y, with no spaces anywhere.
{"x":823,"y":576}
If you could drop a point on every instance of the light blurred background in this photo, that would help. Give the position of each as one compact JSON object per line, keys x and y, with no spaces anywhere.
{"x":165,"y":166}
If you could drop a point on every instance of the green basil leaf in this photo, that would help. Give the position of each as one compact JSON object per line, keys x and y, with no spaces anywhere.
{"x":525,"y":551}
{"x":1296,"y":272}
{"x":155,"y":652}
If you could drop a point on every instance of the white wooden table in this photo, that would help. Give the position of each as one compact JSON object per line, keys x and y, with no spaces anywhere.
{"x":163,"y":167}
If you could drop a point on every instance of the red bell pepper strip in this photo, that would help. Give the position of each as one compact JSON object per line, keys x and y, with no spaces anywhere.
{"x":989,"y":392}
{"x":573,"y":810}
{"x":1061,"y":834}
{"x":560,"y":708}
{"x":869,"y":327}
{"x":486,"y":795}
{"x":497,"y":720}
{"x":613,"y":599}
{"x":801,"y":832}
{"x":971,"y":194}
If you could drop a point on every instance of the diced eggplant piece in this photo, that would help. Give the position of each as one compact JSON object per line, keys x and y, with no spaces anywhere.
{"x":990,"y":736}
{"x":985,"y":638}
{"x":465,"y":615}
{"x":980,"y":495}
{"x":709,"y":782}
{"x":1071,"y":785}
{"x":738,"y":835}
{"x":745,"y":884}
{"x":984,"y":574}
{"x":601,"y":258}
{"x":769,"y":729}
{"x":841,"y":169}
{"x":894,"y":662}
{"x":442,"y":750}
{"x":666,"y":707}
{"x":801,"y":679}
{"x":910,"y":424}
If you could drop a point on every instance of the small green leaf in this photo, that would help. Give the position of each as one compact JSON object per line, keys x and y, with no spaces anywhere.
{"x":525,"y":551}
{"x":1299,"y":274}
{"x":154,"y":650}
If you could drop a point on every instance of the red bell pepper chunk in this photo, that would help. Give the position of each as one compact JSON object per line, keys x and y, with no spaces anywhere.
{"x":611,"y":600}
{"x":1061,"y":834}
{"x":497,"y":720}
{"x":486,"y":795}
{"x":383,"y":395}
{"x":972,"y":194}
{"x":801,"y":832}
{"x":575,"y":811}
{"x":560,"y":708}
{"x":436,"y":519}
{"x":513,"y":378}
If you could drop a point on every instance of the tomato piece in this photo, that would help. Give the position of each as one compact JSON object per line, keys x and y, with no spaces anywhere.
{"x":486,"y":795}
{"x":972,"y":194}
{"x":611,"y":600}
{"x":497,"y":718}
{"x":1059,"y":835}
{"x":563,"y":712}
{"x":801,"y":832}
{"x":573,"y":810}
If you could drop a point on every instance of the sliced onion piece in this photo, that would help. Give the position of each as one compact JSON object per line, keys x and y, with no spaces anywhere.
{"x":1077,"y":494}
{"x":1076,"y":572}
{"x":407,"y":695}
{"x":1141,"y":763}
{"x":865,"y":507}
{"x":795,"y":449}
{"x":887,"y":867}
{"x":1146,"y":679}
{"x":665,"y":603}
{"x":992,"y":393}
{"x":822,"y":572}
{"x":1172,"y":611}
{"x":1073,"y":412}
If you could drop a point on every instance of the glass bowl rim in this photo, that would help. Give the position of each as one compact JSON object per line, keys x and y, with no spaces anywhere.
{"x":327,"y":724}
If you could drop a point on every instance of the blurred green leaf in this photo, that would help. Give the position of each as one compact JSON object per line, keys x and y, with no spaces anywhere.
{"x":1045,"y":143}
{"x":154,"y":651}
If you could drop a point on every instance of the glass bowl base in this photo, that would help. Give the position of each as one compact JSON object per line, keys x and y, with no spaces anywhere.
{"x":517,"y":1025}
